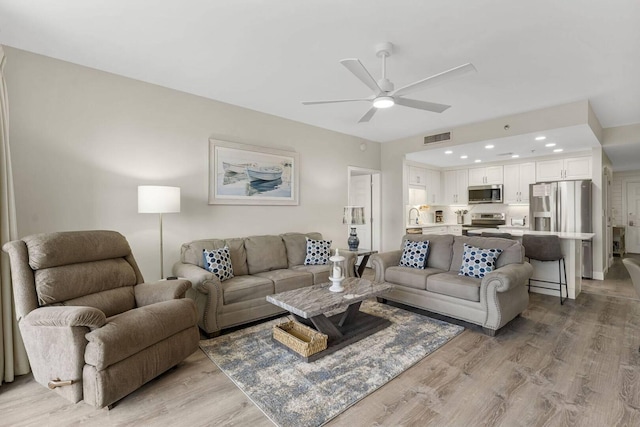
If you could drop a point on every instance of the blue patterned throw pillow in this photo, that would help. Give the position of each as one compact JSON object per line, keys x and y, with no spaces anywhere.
{"x":415,"y":254}
{"x":477,"y":262}
{"x":218,"y":261}
{"x":318,"y":252}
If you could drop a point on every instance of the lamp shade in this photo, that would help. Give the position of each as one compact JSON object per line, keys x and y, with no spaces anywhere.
{"x":353,"y":215}
{"x":158,"y":199}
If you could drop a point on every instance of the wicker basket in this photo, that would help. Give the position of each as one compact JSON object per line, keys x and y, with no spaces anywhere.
{"x":300,"y":338}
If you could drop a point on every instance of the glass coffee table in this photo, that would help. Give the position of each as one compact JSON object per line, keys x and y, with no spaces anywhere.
{"x":309,"y":305}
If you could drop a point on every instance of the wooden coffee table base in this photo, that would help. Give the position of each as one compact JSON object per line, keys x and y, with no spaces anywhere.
{"x":342,"y":329}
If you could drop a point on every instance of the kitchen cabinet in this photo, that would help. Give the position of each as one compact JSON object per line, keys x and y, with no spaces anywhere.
{"x":433,"y":187}
{"x":442,"y":229}
{"x":516,"y":182}
{"x":563,"y":169}
{"x":456,"y":230}
{"x":456,"y":183}
{"x":417,"y":195}
{"x":486,"y":175}
{"x":417,"y":176}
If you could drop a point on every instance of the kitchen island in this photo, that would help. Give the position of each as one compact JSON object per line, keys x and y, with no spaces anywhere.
{"x":571,"y":244}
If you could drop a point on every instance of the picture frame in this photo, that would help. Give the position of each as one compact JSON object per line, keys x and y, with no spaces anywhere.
{"x":243,"y":174}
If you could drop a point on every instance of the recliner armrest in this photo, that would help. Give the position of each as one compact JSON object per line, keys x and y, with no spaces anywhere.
{"x":164,"y":290}
{"x":66,"y":316}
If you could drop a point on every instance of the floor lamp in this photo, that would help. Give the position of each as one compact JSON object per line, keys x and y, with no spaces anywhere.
{"x":160,"y":200}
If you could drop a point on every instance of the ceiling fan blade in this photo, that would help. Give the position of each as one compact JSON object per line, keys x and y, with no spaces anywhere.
{"x":334,"y":101}
{"x":422,"y":105}
{"x":355,"y":66}
{"x":436,"y":79}
{"x":367,"y":116}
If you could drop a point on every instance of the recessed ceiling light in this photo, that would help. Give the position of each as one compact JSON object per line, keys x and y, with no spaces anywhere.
{"x":477,"y":161}
{"x":551,"y":144}
{"x":515,"y":156}
{"x":448,"y":152}
{"x":557,"y":150}
{"x":540,"y":138}
{"x":489,"y":146}
{"x":464,"y":156}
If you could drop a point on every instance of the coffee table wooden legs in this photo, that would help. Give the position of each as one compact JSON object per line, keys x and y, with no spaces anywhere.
{"x":324,"y":325}
{"x":344,"y":328}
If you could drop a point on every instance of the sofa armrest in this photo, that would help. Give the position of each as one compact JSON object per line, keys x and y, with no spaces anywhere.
{"x":164,"y":290}
{"x":507,"y":277}
{"x":382,"y":261}
{"x":198,"y":276}
{"x":206,"y":291}
{"x":350,"y":259}
{"x":68,"y":316}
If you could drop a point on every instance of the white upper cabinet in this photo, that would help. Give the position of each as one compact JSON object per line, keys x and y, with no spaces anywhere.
{"x":417,"y":176}
{"x":563,"y":169}
{"x":434,"y":188}
{"x":417,"y":195}
{"x":577,"y":168}
{"x":486,"y":175}
{"x":455,"y":187}
{"x":516,"y":182}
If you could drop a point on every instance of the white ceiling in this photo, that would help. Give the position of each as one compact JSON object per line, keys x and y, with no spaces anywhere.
{"x":572,"y":139}
{"x":270,"y":55}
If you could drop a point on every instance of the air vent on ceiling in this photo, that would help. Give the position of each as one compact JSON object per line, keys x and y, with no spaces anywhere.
{"x":431,"y":139}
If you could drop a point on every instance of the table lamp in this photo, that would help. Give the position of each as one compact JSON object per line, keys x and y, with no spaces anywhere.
{"x":160,"y":200}
{"x":353,"y":215}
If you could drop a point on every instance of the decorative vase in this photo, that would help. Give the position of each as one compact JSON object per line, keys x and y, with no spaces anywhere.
{"x":353,"y":241}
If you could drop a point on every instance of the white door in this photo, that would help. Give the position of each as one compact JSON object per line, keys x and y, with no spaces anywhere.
{"x":633,"y":218}
{"x":360,"y":195}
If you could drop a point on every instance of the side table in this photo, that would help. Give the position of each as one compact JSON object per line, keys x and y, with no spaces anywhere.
{"x":365,"y":254}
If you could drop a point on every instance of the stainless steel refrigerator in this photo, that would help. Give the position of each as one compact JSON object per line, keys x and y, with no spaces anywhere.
{"x":563,"y":206}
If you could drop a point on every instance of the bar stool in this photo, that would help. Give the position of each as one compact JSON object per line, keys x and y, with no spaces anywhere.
{"x":544,"y":249}
{"x":494,"y":234}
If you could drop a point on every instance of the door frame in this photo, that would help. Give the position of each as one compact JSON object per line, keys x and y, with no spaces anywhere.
{"x":376,"y":201}
{"x":625,"y":182}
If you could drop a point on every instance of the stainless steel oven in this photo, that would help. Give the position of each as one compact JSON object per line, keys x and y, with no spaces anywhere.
{"x":485,"y":194}
{"x":484,"y":220}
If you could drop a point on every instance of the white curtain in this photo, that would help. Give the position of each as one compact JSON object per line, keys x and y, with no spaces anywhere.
{"x":13,"y":358}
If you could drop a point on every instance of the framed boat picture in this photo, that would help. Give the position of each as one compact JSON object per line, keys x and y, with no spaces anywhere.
{"x":241,"y":174}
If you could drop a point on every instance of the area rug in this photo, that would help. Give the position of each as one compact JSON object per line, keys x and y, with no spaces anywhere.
{"x":292,"y":392}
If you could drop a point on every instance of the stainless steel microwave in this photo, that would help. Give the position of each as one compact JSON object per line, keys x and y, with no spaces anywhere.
{"x":485,"y":194}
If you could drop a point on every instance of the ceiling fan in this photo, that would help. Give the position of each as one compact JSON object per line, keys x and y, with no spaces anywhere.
{"x":384,"y":95}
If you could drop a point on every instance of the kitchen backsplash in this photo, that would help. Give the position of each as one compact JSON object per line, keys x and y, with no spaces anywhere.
{"x":427,"y":216}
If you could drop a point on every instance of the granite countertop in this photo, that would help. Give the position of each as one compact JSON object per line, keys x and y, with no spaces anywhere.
{"x":432,"y":224}
{"x":520,"y":232}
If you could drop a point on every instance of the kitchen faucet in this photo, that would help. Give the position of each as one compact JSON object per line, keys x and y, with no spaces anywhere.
{"x":417,"y":212}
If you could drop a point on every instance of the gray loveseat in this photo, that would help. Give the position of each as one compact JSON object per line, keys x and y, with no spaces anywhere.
{"x":490,"y":302}
{"x":262,"y":265}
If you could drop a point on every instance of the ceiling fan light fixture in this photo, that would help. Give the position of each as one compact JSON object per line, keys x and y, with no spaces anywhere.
{"x":383,"y":102}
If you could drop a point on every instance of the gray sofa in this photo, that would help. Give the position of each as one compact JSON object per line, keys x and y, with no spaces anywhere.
{"x":490,"y":302}
{"x":262,"y":265}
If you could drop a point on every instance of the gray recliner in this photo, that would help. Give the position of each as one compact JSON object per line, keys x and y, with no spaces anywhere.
{"x":92,"y":329}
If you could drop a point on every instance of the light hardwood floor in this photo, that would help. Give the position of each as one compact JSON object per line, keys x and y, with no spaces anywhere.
{"x":573,"y":365}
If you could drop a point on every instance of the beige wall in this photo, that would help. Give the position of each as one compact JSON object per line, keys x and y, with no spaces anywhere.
{"x":83,"y":140}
